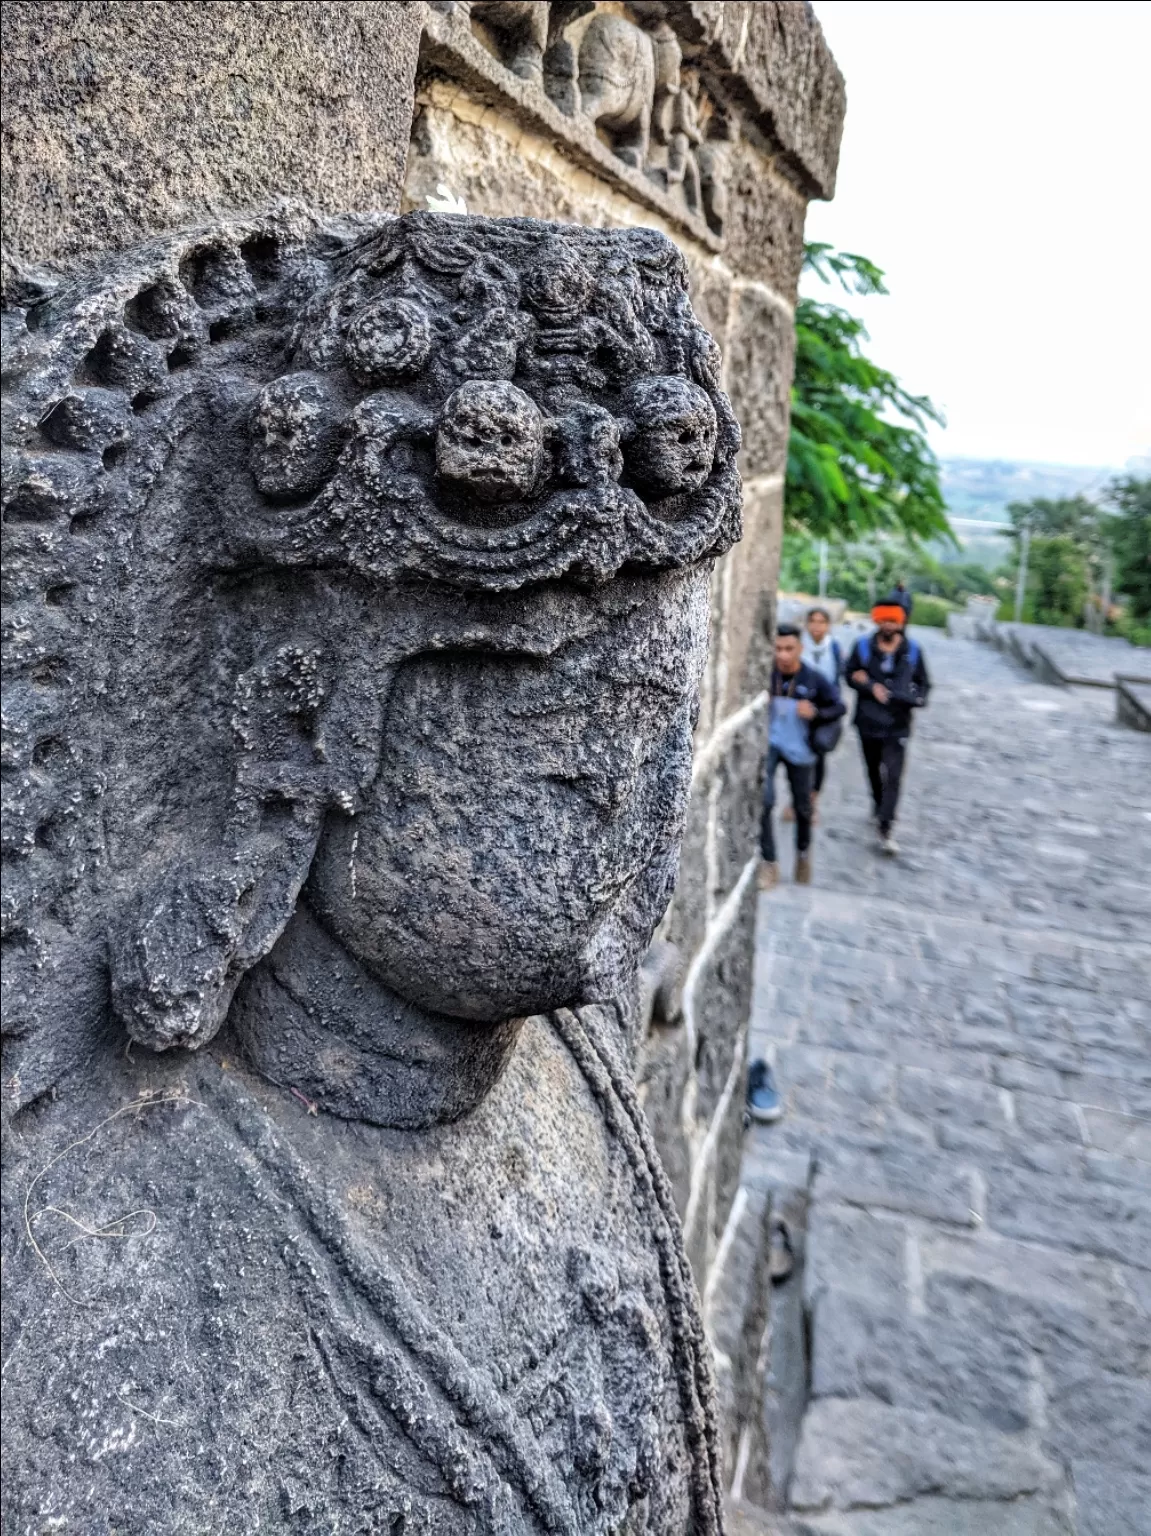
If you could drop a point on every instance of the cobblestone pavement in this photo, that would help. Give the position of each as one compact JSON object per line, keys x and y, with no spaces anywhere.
{"x":964,"y":1038}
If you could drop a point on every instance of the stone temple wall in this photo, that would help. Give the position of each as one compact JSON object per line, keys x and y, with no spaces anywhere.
{"x":712,"y":123}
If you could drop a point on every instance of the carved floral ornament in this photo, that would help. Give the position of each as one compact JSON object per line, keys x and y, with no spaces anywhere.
{"x":625,"y":75}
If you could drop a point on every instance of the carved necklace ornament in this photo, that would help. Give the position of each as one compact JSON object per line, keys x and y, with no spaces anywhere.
{"x":355,"y":584}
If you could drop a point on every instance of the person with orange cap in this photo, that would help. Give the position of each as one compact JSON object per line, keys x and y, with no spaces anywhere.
{"x":889,"y":677}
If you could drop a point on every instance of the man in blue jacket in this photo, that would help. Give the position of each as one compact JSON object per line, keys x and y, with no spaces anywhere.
{"x":802,"y":700}
{"x":887,"y":672}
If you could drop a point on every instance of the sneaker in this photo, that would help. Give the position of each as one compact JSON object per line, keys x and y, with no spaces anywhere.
{"x":764,"y":1102}
{"x":781,"y":1255}
{"x":803,"y":869}
{"x":887,"y":844}
{"x":768,"y":875}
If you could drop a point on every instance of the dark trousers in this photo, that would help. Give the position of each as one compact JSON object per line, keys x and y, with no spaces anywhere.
{"x":799,"y":776}
{"x":883,"y":756}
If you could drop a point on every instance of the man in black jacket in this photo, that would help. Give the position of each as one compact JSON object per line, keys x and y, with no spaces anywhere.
{"x":802,"y":700}
{"x":889,"y":677}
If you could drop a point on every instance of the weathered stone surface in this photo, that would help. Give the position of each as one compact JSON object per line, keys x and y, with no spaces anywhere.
{"x":1109,"y":1500}
{"x":749,"y":576}
{"x":357,"y":738}
{"x":855,"y":1452}
{"x":896,"y":1177}
{"x":853,"y":1251}
{"x":736,"y":1306}
{"x":758,"y":369}
{"x":868,"y":1349}
{"x":948,"y":1517}
{"x":763,"y":233}
{"x":121,"y":121}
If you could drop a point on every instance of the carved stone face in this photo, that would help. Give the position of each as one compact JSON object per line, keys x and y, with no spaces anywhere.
{"x":489,"y":442}
{"x":673,"y":433}
{"x":521,"y":837}
{"x":420,"y":520}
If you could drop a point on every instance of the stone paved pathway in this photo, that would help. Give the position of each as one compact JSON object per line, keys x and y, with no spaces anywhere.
{"x":964,"y":1036}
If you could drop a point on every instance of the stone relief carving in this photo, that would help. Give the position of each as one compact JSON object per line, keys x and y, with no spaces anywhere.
{"x":355,"y":584}
{"x":627,"y":78}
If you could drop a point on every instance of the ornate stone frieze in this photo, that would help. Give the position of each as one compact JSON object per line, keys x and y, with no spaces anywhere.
{"x":614,"y":88}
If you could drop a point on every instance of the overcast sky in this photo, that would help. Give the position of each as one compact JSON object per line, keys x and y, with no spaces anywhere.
{"x":996,"y":164}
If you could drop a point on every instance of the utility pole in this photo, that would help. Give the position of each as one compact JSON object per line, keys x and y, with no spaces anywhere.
{"x":1021,"y":580}
{"x":823,"y":567}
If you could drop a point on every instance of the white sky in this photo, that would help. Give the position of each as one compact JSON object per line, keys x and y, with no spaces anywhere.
{"x":996,"y":164}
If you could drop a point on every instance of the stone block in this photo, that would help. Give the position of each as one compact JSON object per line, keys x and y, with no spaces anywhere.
{"x":855,"y":1252}
{"x":662,"y":1071}
{"x":750,"y":573}
{"x":685,"y":921}
{"x":1122,"y":1135}
{"x":855,"y":1452}
{"x":710,"y":286}
{"x":720,"y":1002}
{"x":757,"y":374}
{"x":864,"y":1078}
{"x":1021,"y":1269}
{"x":1097,"y":1416}
{"x":736,"y":802}
{"x":121,"y":121}
{"x":1110,"y":1501}
{"x":1051,"y":1119}
{"x":735,"y":1304}
{"x":951,"y":1099}
{"x":1032,"y":1516}
{"x":1112,"y":1222}
{"x":763,"y":234}
{"x":1103,"y":1333}
{"x":900,"y":1178}
{"x":868,"y":1349}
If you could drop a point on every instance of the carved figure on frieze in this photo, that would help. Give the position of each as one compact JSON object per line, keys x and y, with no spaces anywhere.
{"x":617,"y":80}
{"x":519,"y":29}
{"x":356,"y":600}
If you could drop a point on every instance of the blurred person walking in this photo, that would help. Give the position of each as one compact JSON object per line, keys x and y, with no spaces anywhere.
{"x":821,"y":650}
{"x":887,"y":672}
{"x":802,"y":699}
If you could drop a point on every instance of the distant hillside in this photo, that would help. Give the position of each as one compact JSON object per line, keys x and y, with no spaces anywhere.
{"x":982,"y":488}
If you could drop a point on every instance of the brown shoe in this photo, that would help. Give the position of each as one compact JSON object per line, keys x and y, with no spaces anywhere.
{"x":803,"y":869}
{"x":768,"y":875}
{"x":788,"y":813}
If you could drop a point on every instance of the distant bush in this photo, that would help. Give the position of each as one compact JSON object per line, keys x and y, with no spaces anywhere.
{"x":932,"y":610}
{"x":1138,"y":632}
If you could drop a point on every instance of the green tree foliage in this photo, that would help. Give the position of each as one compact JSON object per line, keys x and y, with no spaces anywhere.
{"x":1057,"y":581}
{"x":860,"y":572}
{"x":1072,"y":517}
{"x":1128,"y":531}
{"x":858,"y":461}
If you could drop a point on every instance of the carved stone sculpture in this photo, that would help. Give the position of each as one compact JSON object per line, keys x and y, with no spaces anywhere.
{"x":355,"y":585}
{"x":617,"y":80}
{"x":522,"y":29}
